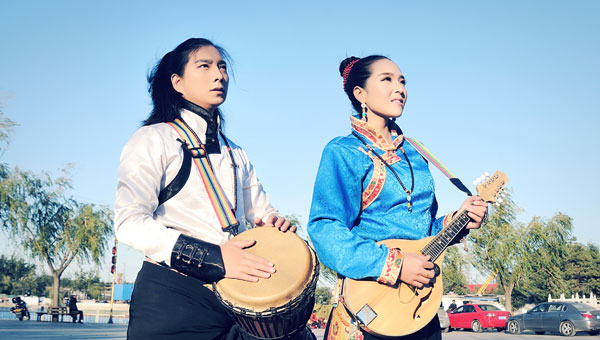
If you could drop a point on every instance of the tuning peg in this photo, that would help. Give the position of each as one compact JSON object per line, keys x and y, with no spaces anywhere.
{"x":499,"y":200}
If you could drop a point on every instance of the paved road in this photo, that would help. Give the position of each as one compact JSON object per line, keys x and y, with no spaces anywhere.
{"x":494,"y":335}
{"x":26,"y":330}
{"x":32,"y":330}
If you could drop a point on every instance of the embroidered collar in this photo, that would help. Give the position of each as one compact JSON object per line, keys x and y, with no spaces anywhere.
{"x":212,"y":125}
{"x":377,"y":138}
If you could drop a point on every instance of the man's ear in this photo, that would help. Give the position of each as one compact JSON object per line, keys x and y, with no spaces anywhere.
{"x":176,"y":81}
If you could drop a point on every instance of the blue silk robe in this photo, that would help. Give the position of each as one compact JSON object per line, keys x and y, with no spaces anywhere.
{"x":357,"y":202}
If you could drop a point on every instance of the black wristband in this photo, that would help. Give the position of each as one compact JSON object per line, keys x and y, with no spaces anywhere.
{"x":198,"y":259}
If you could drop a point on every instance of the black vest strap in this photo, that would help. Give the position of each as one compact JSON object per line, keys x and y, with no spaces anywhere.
{"x":180,"y":179}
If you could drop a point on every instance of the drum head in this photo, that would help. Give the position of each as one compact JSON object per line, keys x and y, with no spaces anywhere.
{"x":294,"y":264}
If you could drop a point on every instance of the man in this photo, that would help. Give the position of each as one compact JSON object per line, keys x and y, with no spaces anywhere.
{"x":452,"y":306}
{"x":73,"y":310}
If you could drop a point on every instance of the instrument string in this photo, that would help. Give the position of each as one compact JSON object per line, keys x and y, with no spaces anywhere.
{"x":441,"y":241}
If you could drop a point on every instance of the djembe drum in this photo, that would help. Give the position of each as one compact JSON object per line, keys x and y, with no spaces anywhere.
{"x":276,"y":307}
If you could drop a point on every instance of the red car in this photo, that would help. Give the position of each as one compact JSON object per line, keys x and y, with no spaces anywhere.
{"x":478,"y":317}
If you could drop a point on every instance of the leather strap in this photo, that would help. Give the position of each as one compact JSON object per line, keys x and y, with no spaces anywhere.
{"x":180,"y":179}
{"x":432,"y":159}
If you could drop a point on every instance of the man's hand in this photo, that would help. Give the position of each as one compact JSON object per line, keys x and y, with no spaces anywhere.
{"x":240,"y":264}
{"x":275,"y":221}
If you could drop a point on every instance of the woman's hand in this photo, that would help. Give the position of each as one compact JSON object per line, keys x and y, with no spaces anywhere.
{"x":275,"y":221}
{"x":417,"y":270}
{"x":476,"y":208}
{"x":240,"y":264}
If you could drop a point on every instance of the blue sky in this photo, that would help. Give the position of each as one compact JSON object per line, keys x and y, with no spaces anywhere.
{"x":509,"y":85}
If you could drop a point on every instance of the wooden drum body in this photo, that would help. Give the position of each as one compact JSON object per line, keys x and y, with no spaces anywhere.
{"x":280,"y":305}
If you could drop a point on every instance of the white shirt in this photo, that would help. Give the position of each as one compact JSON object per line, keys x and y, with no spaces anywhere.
{"x":149,"y":162}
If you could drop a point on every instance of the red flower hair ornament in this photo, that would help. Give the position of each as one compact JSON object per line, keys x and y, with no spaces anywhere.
{"x":347,"y":70}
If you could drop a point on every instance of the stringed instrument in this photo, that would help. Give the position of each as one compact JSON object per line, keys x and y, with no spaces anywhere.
{"x":404,"y":309}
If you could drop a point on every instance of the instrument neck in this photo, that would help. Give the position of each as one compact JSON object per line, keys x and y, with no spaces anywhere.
{"x":440,"y":242}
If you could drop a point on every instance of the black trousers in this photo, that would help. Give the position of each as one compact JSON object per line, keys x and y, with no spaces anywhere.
{"x":431,"y":331}
{"x":75,"y":313}
{"x":168,"y":305}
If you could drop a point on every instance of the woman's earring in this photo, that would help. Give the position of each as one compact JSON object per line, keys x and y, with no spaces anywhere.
{"x":364,"y":111}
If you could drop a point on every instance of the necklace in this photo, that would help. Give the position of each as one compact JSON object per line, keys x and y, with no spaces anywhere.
{"x":412,"y":175}
{"x":233,"y":165}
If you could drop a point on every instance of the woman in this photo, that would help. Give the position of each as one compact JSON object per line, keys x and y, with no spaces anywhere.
{"x":181,"y":213}
{"x":372,"y":186}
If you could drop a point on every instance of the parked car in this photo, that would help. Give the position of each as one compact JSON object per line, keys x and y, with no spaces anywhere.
{"x":565,"y":317}
{"x":478,"y":317}
{"x":444,"y":320}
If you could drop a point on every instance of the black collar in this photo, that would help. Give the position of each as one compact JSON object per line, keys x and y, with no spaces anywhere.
{"x":212,"y":125}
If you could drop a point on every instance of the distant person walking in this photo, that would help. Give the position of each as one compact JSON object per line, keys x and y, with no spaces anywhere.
{"x":73,"y":310}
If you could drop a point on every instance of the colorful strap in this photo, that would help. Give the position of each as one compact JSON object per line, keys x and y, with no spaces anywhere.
{"x":216,"y":195}
{"x":432,"y":159}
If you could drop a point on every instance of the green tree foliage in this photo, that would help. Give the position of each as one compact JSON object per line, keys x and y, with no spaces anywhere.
{"x":547,"y":243}
{"x":499,"y":247}
{"x":453,"y":272}
{"x":86,"y":282}
{"x":582,"y":269}
{"x":323,"y":296}
{"x":17,"y":277}
{"x":38,"y":285}
{"x":51,"y":226}
{"x":520,"y":297}
{"x":6,"y":126}
{"x":530,"y":261}
{"x":12,"y":273}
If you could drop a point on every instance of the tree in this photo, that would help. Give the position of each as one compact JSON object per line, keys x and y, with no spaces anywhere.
{"x":452,"y":269}
{"x":547,"y":247}
{"x":6,"y":126}
{"x":85,"y":282}
{"x":323,"y":296}
{"x":499,"y":247}
{"x":39,"y":285}
{"x":51,"y":226}
{"x":582,"y":269}
{"x":18,"y":277}
{"x":12,"y":272}
{"x":89,"y":283}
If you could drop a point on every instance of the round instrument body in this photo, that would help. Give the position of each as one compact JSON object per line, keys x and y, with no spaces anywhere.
{"x":399,"y":310}
{"x":280,"y":305}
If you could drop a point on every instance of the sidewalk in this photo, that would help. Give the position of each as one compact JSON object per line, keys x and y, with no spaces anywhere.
{"x":26,"y":330}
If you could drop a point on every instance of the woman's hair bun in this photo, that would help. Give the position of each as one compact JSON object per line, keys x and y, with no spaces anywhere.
{"x":345,"y":63}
